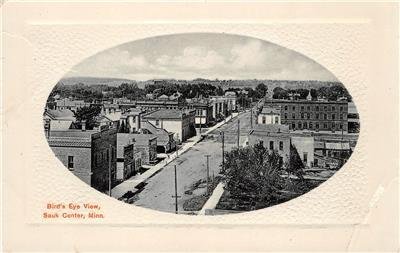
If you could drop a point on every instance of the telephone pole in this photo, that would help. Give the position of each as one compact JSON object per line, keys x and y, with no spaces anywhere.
{"x":109,"y":170}
{"x":238,"y":133}
{"x":251,"y":117}
{"x":176,"y":192}
{"x":208,"y":172}
{"x":223,"y":147}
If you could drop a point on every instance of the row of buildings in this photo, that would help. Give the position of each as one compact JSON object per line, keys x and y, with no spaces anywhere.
{"x":208,"y":110}
{"x":323,"y":133}
{"x":128,"y":135}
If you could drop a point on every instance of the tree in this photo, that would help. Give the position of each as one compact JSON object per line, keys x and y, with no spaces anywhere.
{"x":89,"y":114}
{"x":261,"y":90}
{"x":253,"y":174}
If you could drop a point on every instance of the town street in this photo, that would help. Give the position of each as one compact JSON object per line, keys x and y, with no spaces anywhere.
{"x":191,"y":167}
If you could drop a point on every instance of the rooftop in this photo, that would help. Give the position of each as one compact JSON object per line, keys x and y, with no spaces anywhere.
{"x":138,"y":139}
{"x":271,"y":110}
{"x":270,"y":128}
{"x":65,"y":114}
{"x":166,"y":114}
{"x":304,"y":101}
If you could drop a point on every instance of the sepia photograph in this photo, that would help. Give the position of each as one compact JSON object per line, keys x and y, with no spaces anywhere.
{"x":201,"y":123}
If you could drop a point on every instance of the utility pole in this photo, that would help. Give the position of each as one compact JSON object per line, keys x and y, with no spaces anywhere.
{"x":201,"y":116}
{"x":109,"y":170}
{"x":238,"y":133}
{"x":208,"y":173}
{"x":223,"y":147}
{"x":251,"y":117}
{"x":176,"y":192}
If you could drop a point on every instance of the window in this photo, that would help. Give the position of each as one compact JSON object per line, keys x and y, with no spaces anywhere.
{"x":294,"y":108}
{"x":317,"y":115}
{"x":341,"y":108}
{"x":285,"y":116}
{"x":293,"y":125}
{"x":286,"y":107}
{"x":299,"y":125}
{"x":341,"y":116}
{"x":302,"y":108}
{"x":325,"y":126}
{"x":70,"y":162}
{"x":271,"y":145}
{"x":317,"y":108}
{"x":310,"y":125}
{"x":157,"y":122}
{"x":317,"y":125}
{"x":305,"y":157}
{"x":333,"y":116}
{"x":325,"y":116}
{"x":341,"y":126}
{"x":308,"y":108}
{"x":261,"y":142}
{"x":333,"y":108}
{"x":308,"y":115}
{"x":281,"y":145}
{"x":325,"y":108}
{"x":264,"y":119}
{"x":276,"y":120}
{"x":302,"y":115}
{"x":305,"y":124}
{"x":293,"y":116}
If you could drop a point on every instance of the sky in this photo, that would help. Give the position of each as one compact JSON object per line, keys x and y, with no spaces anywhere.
{"x":201,"y":55}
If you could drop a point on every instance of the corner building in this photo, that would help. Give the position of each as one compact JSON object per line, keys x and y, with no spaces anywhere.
{"x":313,"y":115}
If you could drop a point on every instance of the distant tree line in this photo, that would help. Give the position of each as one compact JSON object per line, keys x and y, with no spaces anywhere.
{"x":331,"y":93}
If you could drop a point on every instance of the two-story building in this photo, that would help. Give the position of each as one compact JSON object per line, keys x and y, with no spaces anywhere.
{"x":88,"y":154}
{"x":179,"y":122}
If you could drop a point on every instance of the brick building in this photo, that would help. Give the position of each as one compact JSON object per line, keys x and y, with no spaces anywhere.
{"x":312,"y":115}
{"x":146,"y":144}
{"x":129,"y":160}
{"x":204,"y":111}
{"x":87,"y":154}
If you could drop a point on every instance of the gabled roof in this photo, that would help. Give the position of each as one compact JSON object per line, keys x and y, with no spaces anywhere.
{"x":60,"y":125}
{"x":163,"y":136}
{"x":137,"y":139}
{"x":65,"y":114}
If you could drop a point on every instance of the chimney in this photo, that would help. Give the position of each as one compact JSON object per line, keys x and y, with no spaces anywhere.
{"x":83,"y":125}
{"x":47,"y":128}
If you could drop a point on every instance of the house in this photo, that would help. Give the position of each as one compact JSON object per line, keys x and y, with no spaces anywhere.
{"x":146,"y":144}
{"x":272,"y":137}
{"x":59,"y":120}
{"x":179,"y":122}
{"x":88,"y":154}
{"x":269,"y":115}
{"x":110,"y":119}
{"x":129,"y":160}
{"x":165,"y":140}
{"x":68,"y":103}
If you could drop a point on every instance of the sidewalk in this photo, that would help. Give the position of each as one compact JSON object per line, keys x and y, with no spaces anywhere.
{"x":130,"y":184}
{"x":213,"y":200}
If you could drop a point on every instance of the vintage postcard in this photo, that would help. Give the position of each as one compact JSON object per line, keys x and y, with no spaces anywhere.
{"x":200,"y":126}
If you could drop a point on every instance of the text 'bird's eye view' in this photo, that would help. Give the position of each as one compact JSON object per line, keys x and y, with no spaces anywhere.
{"x":201,"y":123}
